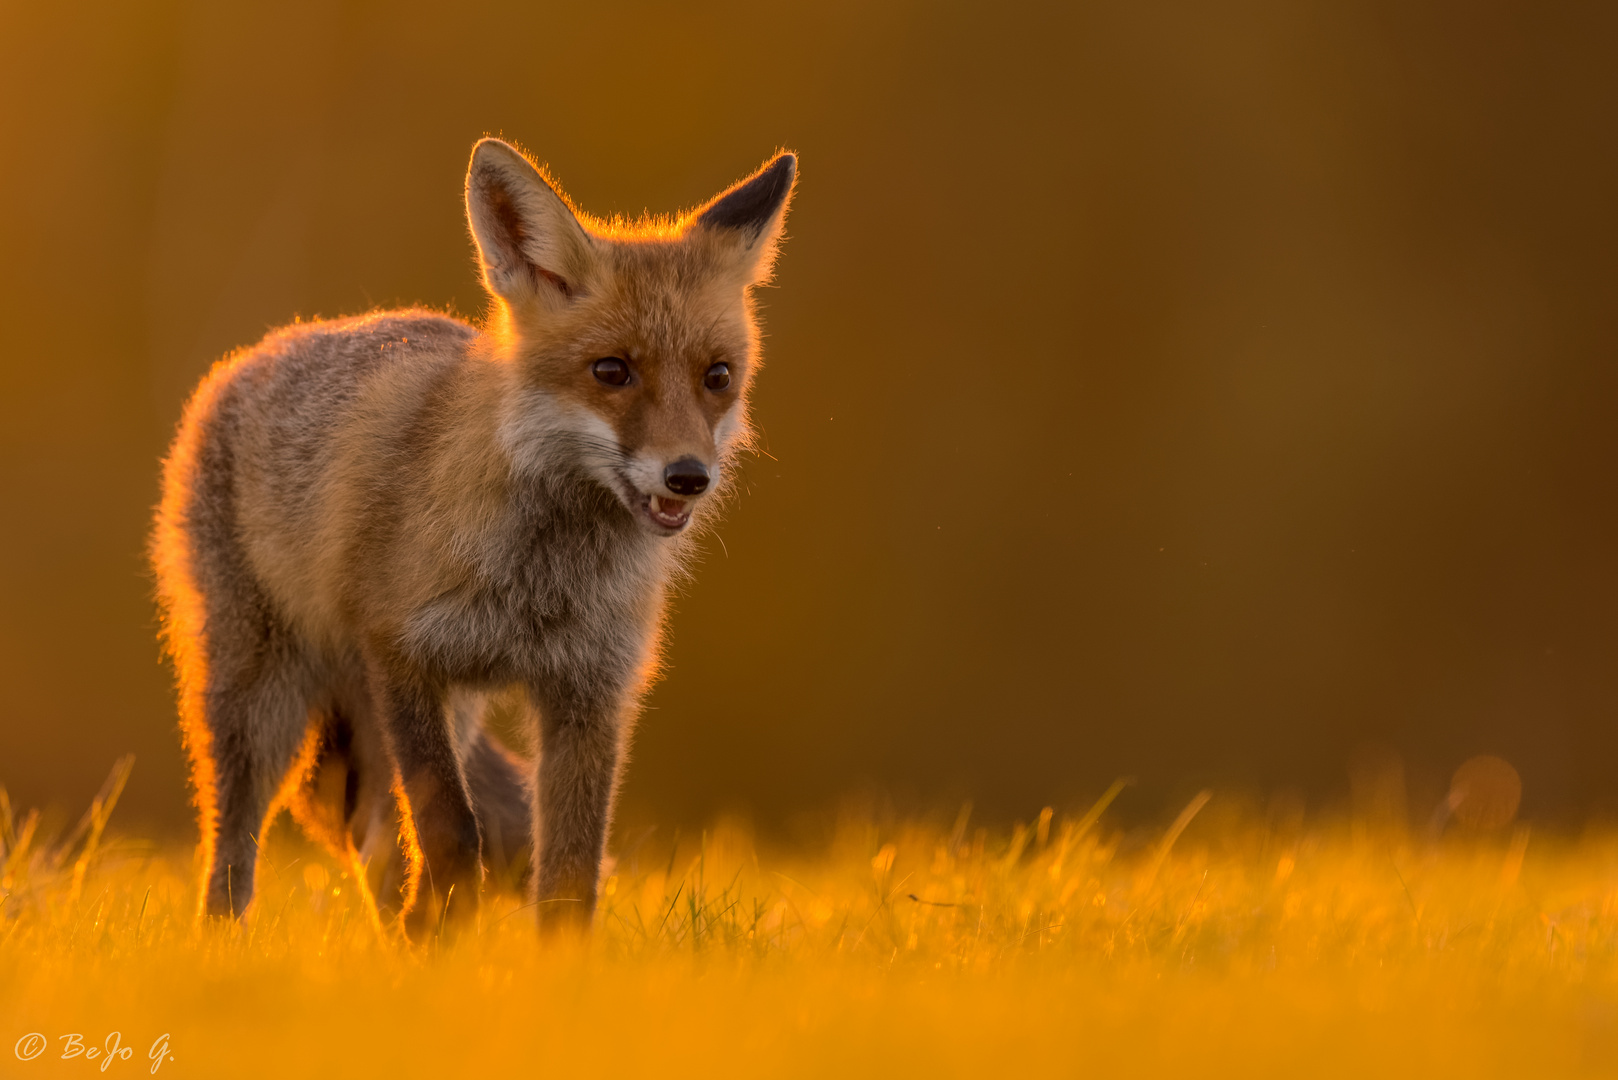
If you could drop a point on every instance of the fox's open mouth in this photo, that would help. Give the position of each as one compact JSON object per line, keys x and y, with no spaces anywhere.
{"x":667,"y":513}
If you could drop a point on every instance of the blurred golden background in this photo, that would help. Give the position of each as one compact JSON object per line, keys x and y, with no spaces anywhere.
{"x":1215,"y":393}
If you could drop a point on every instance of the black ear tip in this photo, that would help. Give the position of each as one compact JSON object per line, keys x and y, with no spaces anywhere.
{"x":750,"y":205}
{"x":779,"y":174}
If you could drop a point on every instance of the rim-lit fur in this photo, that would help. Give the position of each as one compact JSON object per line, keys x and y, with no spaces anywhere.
{"x":370,"y":523}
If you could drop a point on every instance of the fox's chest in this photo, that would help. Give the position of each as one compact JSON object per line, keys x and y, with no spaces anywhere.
{"x":549,"y":609}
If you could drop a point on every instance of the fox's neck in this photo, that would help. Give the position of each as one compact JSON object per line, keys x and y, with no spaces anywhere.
{"x":528,"y":486}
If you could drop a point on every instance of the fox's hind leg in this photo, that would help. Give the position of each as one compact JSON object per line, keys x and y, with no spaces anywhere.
{"x":374,"y":819}
{"x":256,"y":707}
{"x":502,"y":796}
{"x":504,"y":805}
{"x":347,"y":801}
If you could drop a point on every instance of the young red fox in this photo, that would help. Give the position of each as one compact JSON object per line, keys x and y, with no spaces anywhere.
{"x":369,"y":523}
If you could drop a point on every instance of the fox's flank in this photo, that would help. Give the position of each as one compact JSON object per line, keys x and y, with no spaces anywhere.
{"x":370,"y":525}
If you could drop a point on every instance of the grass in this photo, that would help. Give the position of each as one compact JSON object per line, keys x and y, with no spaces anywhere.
{"x":1228,"y":942}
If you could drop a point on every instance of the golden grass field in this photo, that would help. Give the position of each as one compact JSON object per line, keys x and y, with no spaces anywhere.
{"x":1231,"y":942}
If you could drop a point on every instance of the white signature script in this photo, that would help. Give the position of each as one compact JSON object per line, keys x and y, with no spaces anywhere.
{"x":34,"y":1045}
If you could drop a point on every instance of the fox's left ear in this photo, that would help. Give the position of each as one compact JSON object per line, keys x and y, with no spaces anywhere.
{"x":751,"y":214}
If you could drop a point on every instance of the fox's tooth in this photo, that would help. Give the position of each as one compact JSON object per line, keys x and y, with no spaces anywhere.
{"x":656,"y":505}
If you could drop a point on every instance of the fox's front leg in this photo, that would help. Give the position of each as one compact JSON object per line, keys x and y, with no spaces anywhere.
{"x":417,"y":730}
{"x":581,"y":744}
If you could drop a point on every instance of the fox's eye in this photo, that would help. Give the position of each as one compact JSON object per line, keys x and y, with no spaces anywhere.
{"x":718,"y":377}
{"x":611,"y":370}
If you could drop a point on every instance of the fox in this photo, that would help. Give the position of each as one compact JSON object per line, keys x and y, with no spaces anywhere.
{"x":369,"y":525}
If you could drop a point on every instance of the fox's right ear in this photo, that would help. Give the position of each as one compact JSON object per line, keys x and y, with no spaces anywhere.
{"x":529,"y":241}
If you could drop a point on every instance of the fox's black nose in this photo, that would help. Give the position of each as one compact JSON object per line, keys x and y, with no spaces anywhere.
{"x":688,"y":476}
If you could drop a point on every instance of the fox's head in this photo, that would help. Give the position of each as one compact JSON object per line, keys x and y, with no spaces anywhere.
{"x":631,"y":344}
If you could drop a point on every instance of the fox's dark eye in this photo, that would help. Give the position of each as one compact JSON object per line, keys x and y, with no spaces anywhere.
{"x":611,"y":370}
{"x":718,"y":377}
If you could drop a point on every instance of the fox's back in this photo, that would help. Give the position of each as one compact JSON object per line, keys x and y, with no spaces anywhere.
{"x":289,"y":439}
